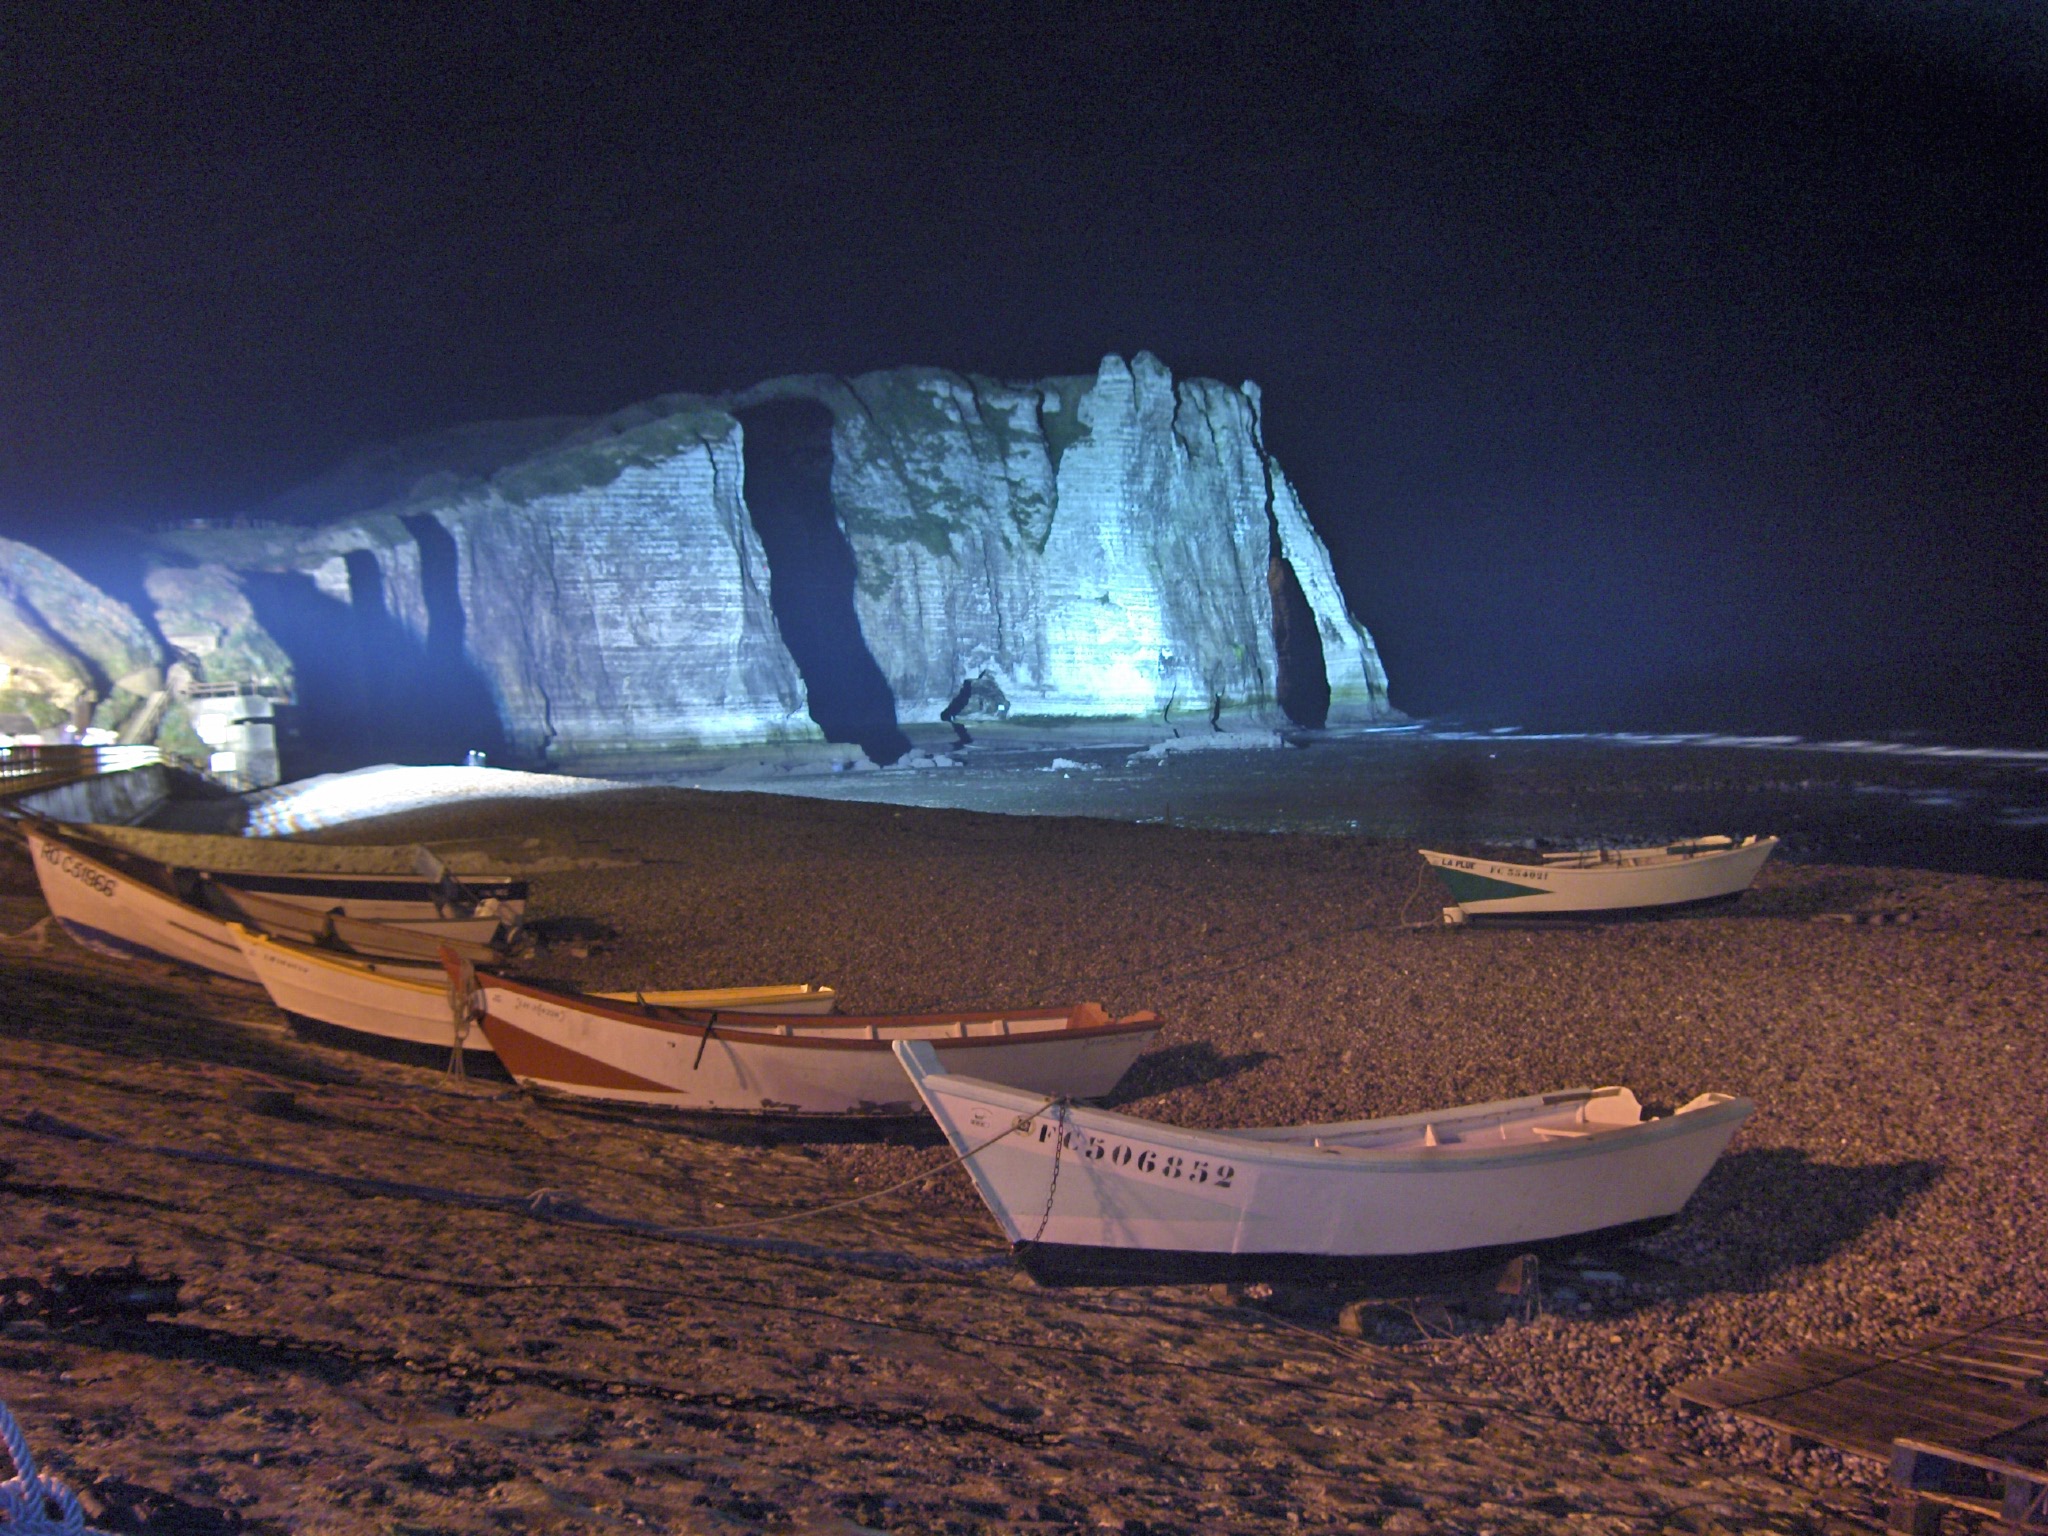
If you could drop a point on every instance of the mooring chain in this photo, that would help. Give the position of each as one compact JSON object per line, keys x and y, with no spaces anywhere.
{"x":1059,"y":1148}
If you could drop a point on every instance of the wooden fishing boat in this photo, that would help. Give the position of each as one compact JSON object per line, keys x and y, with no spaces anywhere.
{"x":1608,"y":880}
{"x":406,"y":884}
{"x":409,"y":1001}
{"x":127,"y":908}
{"x":1137,"y":1199}
{"x":474,"y":938}
{"x":316,"y":925}
{"x":754,"y":1064}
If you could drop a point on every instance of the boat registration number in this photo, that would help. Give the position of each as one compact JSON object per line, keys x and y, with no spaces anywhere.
{"x":1129,"y":1158}
{"x":77,"y":869}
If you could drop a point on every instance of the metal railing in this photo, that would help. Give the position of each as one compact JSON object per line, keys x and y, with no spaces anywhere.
{"x":27,"y":767}
{"x":275,"y":692}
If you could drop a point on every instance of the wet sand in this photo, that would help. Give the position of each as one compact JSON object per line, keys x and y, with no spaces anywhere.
{"x":358,"y":1360}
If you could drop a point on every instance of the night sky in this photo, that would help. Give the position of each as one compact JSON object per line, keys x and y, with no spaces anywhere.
{"x":1642,"y":365}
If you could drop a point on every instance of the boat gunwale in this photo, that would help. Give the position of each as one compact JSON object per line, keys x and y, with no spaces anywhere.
{"x":347,"y":964}
{"x":1436,"y":857}
{"x":778,"y":1029}
{"x":393,"y":859}
{"x":1456,"y":1157}
{"x":352,"y":966}
{"x":162,"y":874}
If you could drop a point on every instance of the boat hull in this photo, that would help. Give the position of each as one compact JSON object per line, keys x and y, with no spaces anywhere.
{"x":1383,"y":1274}
{"x":1495,"y":888}
{"x":409,"y":1003}
{"x":112,"y":913}
{"x":361,"y":882}
{"x":417,"y":936}
{"x":753,"y":1065}
{"x":375,"y":899}
{"x":1134,"y":1197}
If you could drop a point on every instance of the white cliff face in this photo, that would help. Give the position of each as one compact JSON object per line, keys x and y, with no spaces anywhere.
{"x":1088,"y":547}
{"x":1351,"y":662}
{"x":610,"y":591}
{"x":1100,"y":547}
{"x":1162,"y":552}
{"x":631,"y":614}
{"x":945,"y":489}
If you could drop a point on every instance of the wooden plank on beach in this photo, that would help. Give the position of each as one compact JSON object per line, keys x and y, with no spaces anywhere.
{"x":1861,"y":1403}
{"x":1927,"y":1477}
{"x":2009,"y":1354}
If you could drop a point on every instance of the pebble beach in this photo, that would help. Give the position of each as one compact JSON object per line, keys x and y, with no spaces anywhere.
{"x":470,"y":1355}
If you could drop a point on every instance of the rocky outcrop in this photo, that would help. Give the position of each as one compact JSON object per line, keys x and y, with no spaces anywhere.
{"x":206,"y":620}
{"x":1120,"y":545}
{"x":609,"y":591}
{"x":1089,"y":547}
{"x":72,"y":659}
{"x":225,"y":674}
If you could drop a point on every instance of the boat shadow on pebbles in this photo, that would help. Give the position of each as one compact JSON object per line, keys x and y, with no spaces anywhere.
{"x":82,"y":1000}
{"x":563,"y":932}
{"x":1190,"y":1064}
{"x":1813,"y":894}
{"x":737,"y":1129}
{"x":1761,"y":1213}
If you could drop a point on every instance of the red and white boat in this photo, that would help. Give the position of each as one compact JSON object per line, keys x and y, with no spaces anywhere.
{"x":409,"y":1002}
{"x":767,"y":1065}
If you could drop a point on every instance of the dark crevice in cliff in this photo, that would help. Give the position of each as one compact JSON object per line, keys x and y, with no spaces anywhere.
{"x":455,"y":713}
{"x":1180,"y":437}
{"x":858,"y":399}
{"x":367,"y":691}
{"x":786,"y":450}
{"x":1303,"y":688}
{"x":1061,"y":427}
{"x":1302,"y":685}
{"x":336,"y":650}
{"x":534,"y":649}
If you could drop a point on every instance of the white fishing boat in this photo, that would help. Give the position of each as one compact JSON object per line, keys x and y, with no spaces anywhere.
{"x":420,"y":939}
{"x":409,"y":1002}
{"x":1086,"y":1193}
{"x":753,"y":1064}
{"x":1608,"y":880}
{"x":384,"y":884}
{"x":116,"y":906}
{"x":314,"y":925}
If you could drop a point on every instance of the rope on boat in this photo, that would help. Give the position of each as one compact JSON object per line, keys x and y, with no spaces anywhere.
{"x":1421,"y":880}
{"x":1020,"y":1123}
{"x":30,"y":1503}
{"x":560,"y":1206}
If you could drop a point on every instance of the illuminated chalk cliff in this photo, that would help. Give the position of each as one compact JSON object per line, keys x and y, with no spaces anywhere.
{"x":845,"y":555}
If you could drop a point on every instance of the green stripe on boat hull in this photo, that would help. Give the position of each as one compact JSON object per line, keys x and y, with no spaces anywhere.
{"x":1465,"y":886}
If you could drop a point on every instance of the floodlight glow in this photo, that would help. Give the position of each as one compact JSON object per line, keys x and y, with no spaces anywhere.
{"x":337,"y":798}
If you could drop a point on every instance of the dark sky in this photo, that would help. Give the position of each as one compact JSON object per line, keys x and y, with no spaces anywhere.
{"x":1641,"y":364}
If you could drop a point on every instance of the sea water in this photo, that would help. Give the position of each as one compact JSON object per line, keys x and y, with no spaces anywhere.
{"x":1906,"y":803}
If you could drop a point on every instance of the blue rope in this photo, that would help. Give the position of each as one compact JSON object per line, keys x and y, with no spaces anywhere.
{"x":30,"y":1504}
